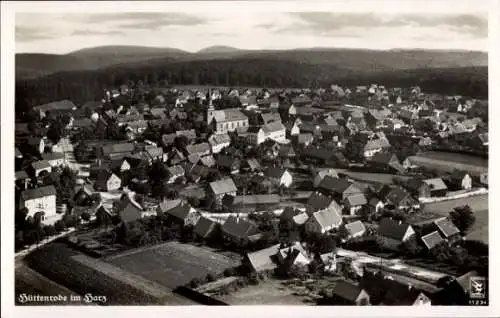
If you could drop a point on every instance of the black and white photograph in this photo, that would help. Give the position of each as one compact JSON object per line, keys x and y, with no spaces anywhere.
{"x":245,"y":153}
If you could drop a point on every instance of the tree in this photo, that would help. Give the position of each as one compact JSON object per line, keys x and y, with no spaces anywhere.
{"x":181,"y":142}
{"x":85,"y":216}
{"x":463,"y":218}
{"x":59,"y":226}
{"x":55,"y":132}
{"x":50,"y":230}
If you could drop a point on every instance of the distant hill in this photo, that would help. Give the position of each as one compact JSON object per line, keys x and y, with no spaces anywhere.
{"x":218,"y":49}
{"x":34,"y":65}
{"x":30,"y":65}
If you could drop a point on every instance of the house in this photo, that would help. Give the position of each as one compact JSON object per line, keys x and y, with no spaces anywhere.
{"x":293,"y":129}
{"x":483,"y":178}
{"x":201,"y":149}
{"x":346,"y":293}
{"x":83,"y":194}
{"x":226,"y":120}
{"x":154,"y":153}
{"x":205,"y":228}
{"x":394,"y":233}
{"x":238,"y":230}
{"x":22,"y":180}
{"x":386,"y":161}
{"x":425,"y":141}
{"x":54,"y":108}
{"x":251,"y":165}
{"x":37,"y":143}
{"x":266,"y":118}
{"x":55,"y":159}
{"x":220,"y":188}
{"x":448,"y":230}
{"x":355,"y":229}
{"x":228,"y":164}
{"x":375,"y":145}
{"x":375,"y":118}
{"x":175,"y":172}
{"x":436,"y":188}
{"x":114,"y":150}
{"x":218,"y":142}
{"x":339,"y":188}
{"x":189,"y":134}
{"x":323,"y":221}
{"x":375,"y":205}
{"x":322,"y":173}
{"x":255,"y":135}
{"x":354,"y":203}
{"x":304,"y":139}
{"x":286,"y":152}
{"x":275,"y":131}
{"x":41,"y":199}
{"x":400,"y":199}
{"x":107,"y":181}
{"x":256,"y":202}
{"x":40,"y":166}
{"x":460,"y":180}
{"x":128,"y":209}
{"x":280,"y":177}
{"x":166,"y":205}
{"x":175,"y":156}
{"x":483,"y":139}
{"x":319,"y":201}
{"x":306,"y":113}
{"x":168,"y":140}
{"x":207,"y":161}
{"x":183,"y":214}
{"x":399,"y":294}
{"x":263,"y":260}
{"x":329,"y":262}
{"x":432,"y":239}
{"x":136,"y":126}
{"x":293,"y":255}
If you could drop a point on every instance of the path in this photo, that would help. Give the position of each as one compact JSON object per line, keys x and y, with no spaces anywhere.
{"x":69,"y":158}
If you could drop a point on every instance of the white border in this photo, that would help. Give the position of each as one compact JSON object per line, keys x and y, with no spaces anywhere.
{"x":7,"y":125}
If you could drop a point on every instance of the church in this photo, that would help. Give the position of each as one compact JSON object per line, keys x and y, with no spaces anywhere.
{"x":225,"y":120}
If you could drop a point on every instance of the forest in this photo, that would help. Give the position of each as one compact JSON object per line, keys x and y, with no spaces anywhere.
{"x":82,"y":86}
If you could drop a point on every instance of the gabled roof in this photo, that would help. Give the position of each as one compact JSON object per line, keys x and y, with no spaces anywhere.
{"x":223,"y":186}
{"x":219,"y":139}
{"x":204,"y":226}
{"x":154,"y":151}
{"x":327,"y":218}
{"x":21,"y":175}
{"x":264,"y":259}
{"x":57,"y":105}
{"x":301,"y":218}
{"x":335,"y":185}
{"x":432,"y":239}
{"x":227,"y":162}
{"x":181,"y":211}
{"x":190,"y":134}
{"x":273,"y":127}
{"x":253,"y":163}
{"x":355,"y":227}
{"x":458,"y":174}
{"x":41,"y":164}
{"x":230,"y":114}
{"x":436,"y":184}
{"x":384,"y":158}
{"x":446,"y":227}
{"x":356,"y":199}
{"x":274,"y":172}
{"x":238,"y":227}
{"x":347,"y":291}
{"x":483,"y":138}
{"x":208,"y":161}
{"x":168,"y":139}
{"x":198,"y":148}
{"x":393,"y":229}
{"x":396,"y":196}
{"x":270,"y":117}
{"x":304,"y":138}
{"x":41,"y":192}
{"x":166,"y":205}
{"x":117,"y":148}
{"x":257,"y":199}
{"x":176,"y":170}
{"x":377,"y":143}
{"x":400,"y":294}
{"x":318,"y":201}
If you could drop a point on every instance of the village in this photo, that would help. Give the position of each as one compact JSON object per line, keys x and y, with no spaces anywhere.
{"x":367,"y":195}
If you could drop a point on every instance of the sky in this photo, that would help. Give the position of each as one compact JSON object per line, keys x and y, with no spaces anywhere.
{"x":191,"y":30}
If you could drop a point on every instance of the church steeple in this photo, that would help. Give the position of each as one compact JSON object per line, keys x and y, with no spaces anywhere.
{"x":211,"y":109}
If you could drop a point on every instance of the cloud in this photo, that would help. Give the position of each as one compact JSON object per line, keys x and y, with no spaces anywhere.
{"x":27,"y":34}
{"x":87,"y":32}
{"x":332,"y":23}
{"x":144,"y":20}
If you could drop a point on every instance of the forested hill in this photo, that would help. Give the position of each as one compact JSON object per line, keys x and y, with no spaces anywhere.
{"x":81,"y":86}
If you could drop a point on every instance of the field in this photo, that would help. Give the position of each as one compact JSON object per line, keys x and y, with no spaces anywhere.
{"x":479,"y":204}
{"x":268,"y":292}
{"x":385,"y":178}
{"x":172,"y":264}
{"x":447,"y":162}
{"x":83,"y":274}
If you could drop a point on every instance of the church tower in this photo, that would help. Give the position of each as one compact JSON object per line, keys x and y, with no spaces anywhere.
{"x":211,"y":109}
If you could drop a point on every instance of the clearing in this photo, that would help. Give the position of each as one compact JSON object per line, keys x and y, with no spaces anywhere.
{"x":172,"y":264}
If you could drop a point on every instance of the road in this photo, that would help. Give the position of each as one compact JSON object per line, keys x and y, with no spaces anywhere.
{"x":69,"y":158}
